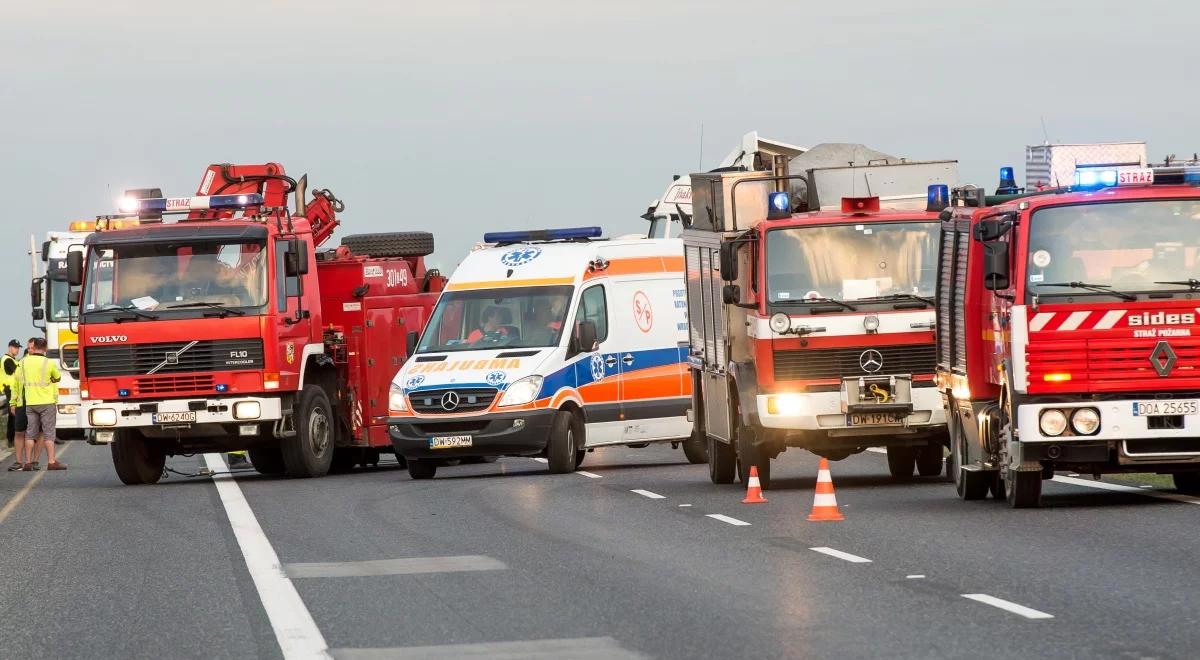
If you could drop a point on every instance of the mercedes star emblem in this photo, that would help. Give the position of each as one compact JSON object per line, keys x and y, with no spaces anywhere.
{"x":870,"y":361}
{"x":450,"y":401}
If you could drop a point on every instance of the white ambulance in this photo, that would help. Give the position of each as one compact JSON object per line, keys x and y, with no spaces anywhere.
{"x":549,"y":343}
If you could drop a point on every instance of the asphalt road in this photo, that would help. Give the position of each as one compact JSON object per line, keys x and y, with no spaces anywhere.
{"x":505,"y":560}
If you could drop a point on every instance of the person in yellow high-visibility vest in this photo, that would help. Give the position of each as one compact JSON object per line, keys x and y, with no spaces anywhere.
{"x":16,"y":420}
{"x":37,"y":389}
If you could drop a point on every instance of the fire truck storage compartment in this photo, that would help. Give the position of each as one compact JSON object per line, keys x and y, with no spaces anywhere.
{"x":950,"y":296}
{"x":706,"y":321}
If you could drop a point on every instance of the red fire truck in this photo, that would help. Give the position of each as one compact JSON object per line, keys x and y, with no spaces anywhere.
{"x":811,"y":313}
{"x":227,"y":330}
{"x":1067,"y":335}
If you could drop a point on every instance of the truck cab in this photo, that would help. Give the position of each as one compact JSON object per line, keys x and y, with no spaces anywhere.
{"x":1068,"y":336}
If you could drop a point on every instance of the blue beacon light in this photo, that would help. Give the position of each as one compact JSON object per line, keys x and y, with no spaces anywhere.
{"x":565,"y":234}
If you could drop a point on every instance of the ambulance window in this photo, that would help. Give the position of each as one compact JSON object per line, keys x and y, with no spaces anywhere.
{"x":593,"y":307}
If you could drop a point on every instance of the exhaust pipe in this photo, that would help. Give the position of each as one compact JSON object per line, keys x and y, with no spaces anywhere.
{"x":301,"y":191}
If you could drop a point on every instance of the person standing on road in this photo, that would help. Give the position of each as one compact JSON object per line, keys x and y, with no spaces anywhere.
{"x":16,"y":418}
{"x":37,"y":388}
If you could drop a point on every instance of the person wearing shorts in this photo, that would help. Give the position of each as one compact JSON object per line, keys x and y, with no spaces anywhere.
{"x":37,"y":380}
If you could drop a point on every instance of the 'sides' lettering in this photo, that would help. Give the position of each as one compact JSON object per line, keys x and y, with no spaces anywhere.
{"x":1162,"y":318}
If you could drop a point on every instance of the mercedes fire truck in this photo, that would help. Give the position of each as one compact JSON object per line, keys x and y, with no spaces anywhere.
{"x":1068,"y":335}
{"x":226,"y":330}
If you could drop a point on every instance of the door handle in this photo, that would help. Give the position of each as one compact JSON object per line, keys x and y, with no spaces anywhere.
{"x":611,"y":361}
{"x":627,"y":359}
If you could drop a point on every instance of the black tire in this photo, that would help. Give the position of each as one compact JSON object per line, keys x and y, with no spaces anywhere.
{"x":748,"y":455}
{"x":695,"y":449}
{"x":138,"y":461}
{"x":901,"y":461}
{"x":267,"y":460}
{"x":309,"y":453}
{"x":566,"y":437}
{"x":722,"y":462}
{"x":1187,"y":482}
{"x":1024,"y":489}
{"x":391,"y":244}
{"x":997,"y":487}
{"x":970,"y":485}
{"x":929,"y":460}
{"x":421,"y":469}
{"x":345,"y":459}
{"x":580,"y":454}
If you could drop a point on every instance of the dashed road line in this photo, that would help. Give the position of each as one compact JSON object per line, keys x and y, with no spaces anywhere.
{"x":1008,"y":606}
{"x":914,"y":577}
{"x":877,"y":450}
{"x":402,"y":566}
{"x":1104,"y":485}
{"x":845,"y":556}
{"x":295,"y":630}
{"x":649,"y":494}
{"x":684,"y":505}
{"x":726,"y":519}
{"x":542,"y":460}
{"x":584,"y":648}
{"x":589,"y":475}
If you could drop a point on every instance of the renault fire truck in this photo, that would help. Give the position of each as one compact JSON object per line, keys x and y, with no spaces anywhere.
{"x":811,"y":312}
{"x":225,"y":329}
{"x":1068,"y":336}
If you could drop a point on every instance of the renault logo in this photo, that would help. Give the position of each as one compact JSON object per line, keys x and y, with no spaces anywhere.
{"x":870,"y":361}
{"x":450,"y":401}
{"x":1163,"y":358}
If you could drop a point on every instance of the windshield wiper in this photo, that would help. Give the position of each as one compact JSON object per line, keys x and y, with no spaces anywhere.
{"x":128,"y":308}
{"x":1191,"y":283}
{"x":900,"y":296}
{"x":213,"y":305}
{"x":835,"y":301}
{"x":1097,"y":288}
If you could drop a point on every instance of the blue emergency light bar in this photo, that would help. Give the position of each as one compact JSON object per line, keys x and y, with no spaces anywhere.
{"x":938,"y":198}
{"x":1095,"y":178}
{"x":779,"y":205}
{"x":565,"y":234}
{"x":183,"y":204}
{"x":1008,"y":182}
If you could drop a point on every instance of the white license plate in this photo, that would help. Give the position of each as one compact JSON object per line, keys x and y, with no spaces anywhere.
{"x":1166,"y":407}
{"x":174,"y":417}
{"x":875,"y":419}
{"x":450,"y":441}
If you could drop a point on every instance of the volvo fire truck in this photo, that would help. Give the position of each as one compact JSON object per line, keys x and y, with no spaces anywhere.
{"x":1068,"y":336}
{"x":224,"y":329}
{"x":810,"y":306}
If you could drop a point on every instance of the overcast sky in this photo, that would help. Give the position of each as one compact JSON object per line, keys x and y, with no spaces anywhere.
{"x":462,"y":116}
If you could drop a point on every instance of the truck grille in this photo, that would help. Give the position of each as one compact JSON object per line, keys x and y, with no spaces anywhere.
{"x":170,"y":384}
{"x":470,"y":399}
{"x":1113,"y":365}
{"x":829,"y":363}
{"x":139,"y":359}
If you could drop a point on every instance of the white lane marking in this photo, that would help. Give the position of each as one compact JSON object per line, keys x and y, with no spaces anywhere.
{"x":915,"y":577}
{"x":584,"y":648}
{"x":402,"y":566}
{"x":589,"y":475}
{"x":646,"y":493}
{"x":542,"y":460}
{"x":1104,"y":485}
{"x":1009,"y":606}
{"x":846,"y":556}
{"x":295,"y":630}
{"x":683,"y":505}
{"x":726,"y":519}
{"x":877,"y":450}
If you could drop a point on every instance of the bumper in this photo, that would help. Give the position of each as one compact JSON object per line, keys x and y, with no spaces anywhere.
{"x":519,"y":433}
{"x":822,"y":411}
{"x":67,"y":418}
{"x":1136,"y":439}
{"x":210,"y":411}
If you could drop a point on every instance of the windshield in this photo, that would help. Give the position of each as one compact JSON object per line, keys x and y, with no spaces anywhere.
{"x":852,"y":262}
{"x":160,"y":276}
{"x":56,"y":301}
{"x":1129,"y":246}
{"x":526,"y":317}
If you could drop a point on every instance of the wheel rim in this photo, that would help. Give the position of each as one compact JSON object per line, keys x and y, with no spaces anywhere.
{"x":318,"y":431}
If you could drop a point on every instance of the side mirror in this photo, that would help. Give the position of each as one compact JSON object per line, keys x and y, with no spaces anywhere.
{"x":296,"y":262}
{"x":731,"y":294}
{"x":35,"y":293}
{"x":995,"y":266}
{"x":728,"y":261}
{"x":585,"y":337}
{"x":45,"y":250}
{"x":993,"y":228}
{"x":74,"y":268}
{"x":410,"y":343}
{"x":74,"y":298}
{"x":38,"y":313}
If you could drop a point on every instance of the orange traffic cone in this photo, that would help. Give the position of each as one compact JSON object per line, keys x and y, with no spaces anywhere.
{"x":754,"y":489}
{"x":825,"y":506}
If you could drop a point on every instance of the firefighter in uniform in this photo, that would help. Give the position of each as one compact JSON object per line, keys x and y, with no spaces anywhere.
{"x":37,"y":380}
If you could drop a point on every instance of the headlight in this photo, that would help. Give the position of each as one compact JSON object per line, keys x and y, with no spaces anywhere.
{"x":1053,"y":422}
{"x":522,"y":391}
{"x":102,"y":417}
{"x":781,"y":322}
{"x":247,"y":410}
{"x":871,"y":323}
{"x":785,"y":404}
{"x":68,"y":409}
{"x":396,"y":400}
{"x":1085,"y":421}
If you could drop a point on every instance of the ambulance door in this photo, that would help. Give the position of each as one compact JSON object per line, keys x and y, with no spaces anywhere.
{"x":598,"y":374}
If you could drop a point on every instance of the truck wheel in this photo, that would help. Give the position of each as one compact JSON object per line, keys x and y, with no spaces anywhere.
{"x":722,"y":462}
{"x":900,"y":462}
{"x":749,"y":455}
{"x":566,"y":436}
{"x":391,"y":244}
{"x":421,"y":469}
{"x":929,"y":460}
{"x":309,"y":453}
{"x":1187,"y":482}
{"x":970,"y":485}
{"x":344,"y":459}
{"x":267,"y":460}
{"x":579,"y":456}
{"x":137,"y":460}
{"x":1024,"y":489}
{"x":695,"y":449}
